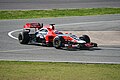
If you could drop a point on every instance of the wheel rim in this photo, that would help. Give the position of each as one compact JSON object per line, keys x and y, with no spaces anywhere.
{"x":57,"y":42}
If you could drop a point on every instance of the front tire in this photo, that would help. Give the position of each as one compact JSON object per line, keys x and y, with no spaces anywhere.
{"x":85,"y":38}
{"x":23,"y":38}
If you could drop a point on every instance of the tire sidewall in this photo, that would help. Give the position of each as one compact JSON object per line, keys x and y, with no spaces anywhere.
{"x":57,"y":42}
{"x":23,"y":37}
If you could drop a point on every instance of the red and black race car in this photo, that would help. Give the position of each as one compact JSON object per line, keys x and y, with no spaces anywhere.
{"x":49,"y":36}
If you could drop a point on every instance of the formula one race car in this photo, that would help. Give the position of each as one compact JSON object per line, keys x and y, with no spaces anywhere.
{"x":49,"y":36}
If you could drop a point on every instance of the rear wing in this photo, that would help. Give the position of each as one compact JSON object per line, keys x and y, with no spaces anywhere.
{"x":33,"y":25}
{"x":31,"y":28}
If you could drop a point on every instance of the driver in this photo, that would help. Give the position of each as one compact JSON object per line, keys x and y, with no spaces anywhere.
{"x":57,"y":32}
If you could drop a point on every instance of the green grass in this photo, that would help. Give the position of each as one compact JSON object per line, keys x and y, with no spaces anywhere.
{"x":25,"y":14}
{"x":11,"y":70}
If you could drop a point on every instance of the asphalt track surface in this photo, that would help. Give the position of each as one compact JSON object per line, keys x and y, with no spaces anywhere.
{"x":54,"y":4}
{"x":10,"y":49}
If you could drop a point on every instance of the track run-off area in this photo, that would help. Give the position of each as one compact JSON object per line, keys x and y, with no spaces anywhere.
{"x":104,"y":30}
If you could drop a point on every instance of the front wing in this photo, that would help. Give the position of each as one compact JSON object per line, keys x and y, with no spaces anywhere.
{"x":81,"y":45}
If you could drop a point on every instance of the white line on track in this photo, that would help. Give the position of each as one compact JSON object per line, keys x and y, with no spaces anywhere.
{"x":10,"y":33}
{"x":88,"y":62}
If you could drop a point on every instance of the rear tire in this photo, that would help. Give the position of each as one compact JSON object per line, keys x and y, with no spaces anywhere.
{"x":23,"y":38}
{"x":85,"y":38}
